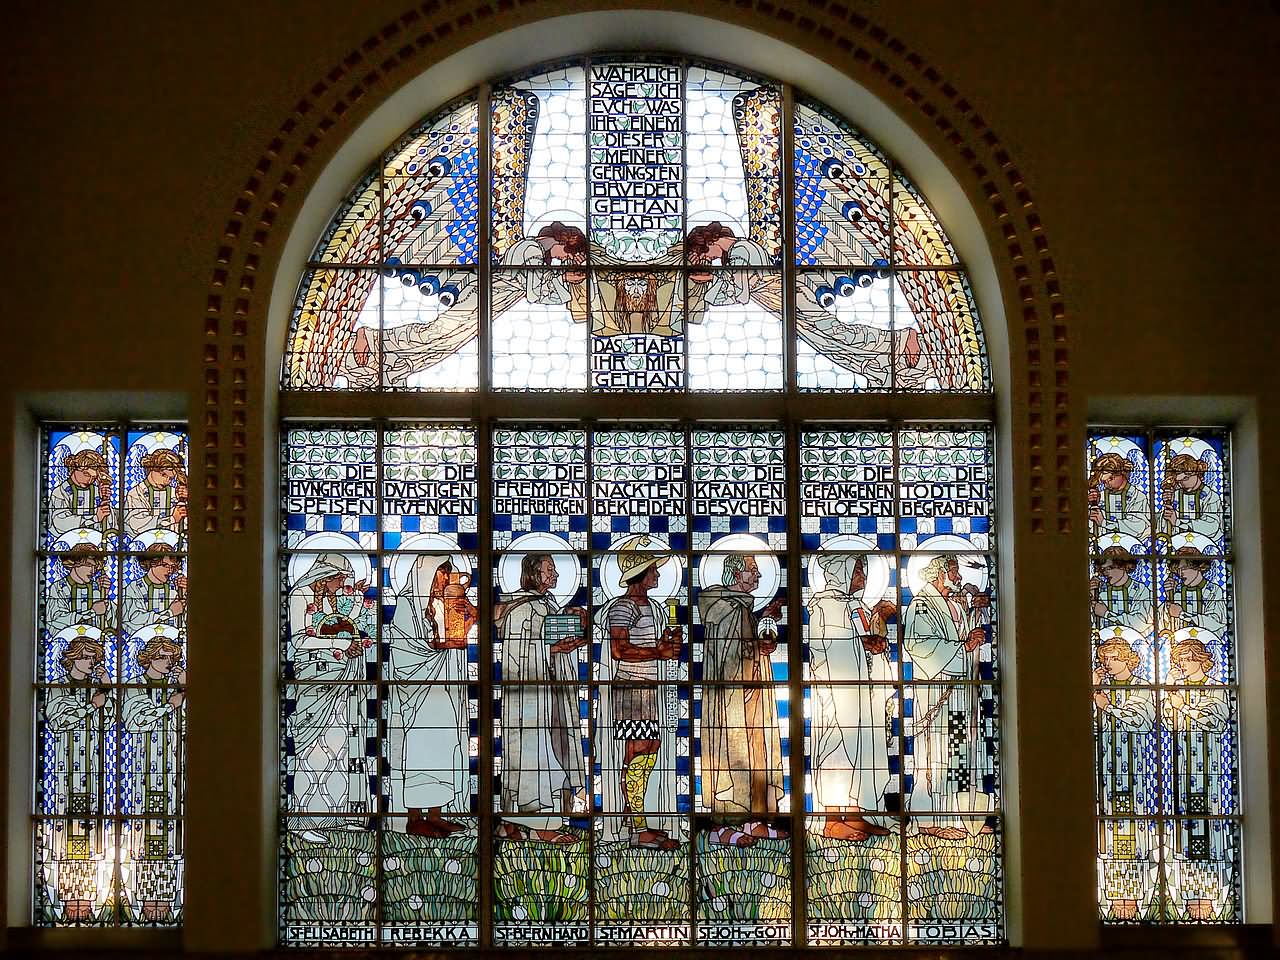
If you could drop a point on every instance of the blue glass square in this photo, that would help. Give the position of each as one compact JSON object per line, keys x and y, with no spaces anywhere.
{"x":540,"y":523}
{"x":620,"y":524}
{"x":368,"y":524}
{"x":296,"y":521}
{"x":332,"y":522}
{"x":410,"y":524}
{"x":448,"y":524}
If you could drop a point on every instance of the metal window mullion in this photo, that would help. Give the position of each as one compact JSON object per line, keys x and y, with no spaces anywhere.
{"x":588,"y":441}
{"x":485,"y":687}
{"x":789,"y":272}
{"x":903,"y":804}
{"x":379,"y":443}
{"x":795,"y":684}
{"x":1158,"y":680}
{"x":687,"y":427}
{"x":117,"y":560}
{"x":484,"y":526}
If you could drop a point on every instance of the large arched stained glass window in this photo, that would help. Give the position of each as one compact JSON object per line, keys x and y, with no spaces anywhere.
{"x":659,"y":606}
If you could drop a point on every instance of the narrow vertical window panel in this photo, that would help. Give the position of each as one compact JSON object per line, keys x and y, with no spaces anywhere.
{"x":81,"y":474}
{"x":1192,"y":506}
{"x":735,"y":328}
{"x":949,"y":618}
{"x":330,"y":486}
{"x":429,"y":488}
{"x":354,"y":236}
{"x":636,"y":155}
{"x":733,"y":164}
{"x":429,"y":891}
{"x":851,"y":626}
{"x":639,"y":483}
{"x":333,"y":339}
{"x":846,"y":321}
{"x":430,"y":319}
{"x":1203,"y":871}
{"x":841,"y":193}
{"x":955,"y":891}
{"x":540,"y":328}
{"x":638,"y":330}
{"x":938,"y":341}
{"x":430,"y":193}
{"x":739,"y":490}
{"x":540,"y":487}
{"x":918,"y":237}
{"x":1119,"y":487}
{"x":642,"y":894}
{"x":946,"y":488}
{"x":540,"y":163}
{"x":847,"y":489}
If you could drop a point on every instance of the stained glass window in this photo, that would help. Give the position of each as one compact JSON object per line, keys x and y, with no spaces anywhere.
{"x":632,"y":673}
{"x":1165,"y":696}
{"x":110,"y":675}
{"x":636,"y":241}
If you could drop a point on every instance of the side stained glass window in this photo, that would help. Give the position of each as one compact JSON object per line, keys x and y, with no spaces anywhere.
{"x":1165,"y":682}
{"x":110,"y":675}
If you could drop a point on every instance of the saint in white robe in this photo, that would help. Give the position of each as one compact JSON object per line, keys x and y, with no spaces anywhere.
{"x":848,"y":728}
{"x":542,"y":762}
{"x":951,"y":762}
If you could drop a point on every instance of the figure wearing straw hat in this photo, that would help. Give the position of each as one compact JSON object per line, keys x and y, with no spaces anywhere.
{"x":83,"y":595}
{"x":636,"y":713}
{"x":1126,"y":717}
{"x":80,"y":717}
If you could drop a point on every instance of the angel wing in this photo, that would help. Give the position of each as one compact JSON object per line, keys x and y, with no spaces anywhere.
{"x":430,"y":206}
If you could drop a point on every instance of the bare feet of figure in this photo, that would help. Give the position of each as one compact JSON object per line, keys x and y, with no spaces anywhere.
{"x":842,"y":830}
{"x":944,"y":833}
{"x":1124,"y":909}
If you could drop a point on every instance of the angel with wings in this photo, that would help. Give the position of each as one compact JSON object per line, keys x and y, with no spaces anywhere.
{"x":426,"y":240}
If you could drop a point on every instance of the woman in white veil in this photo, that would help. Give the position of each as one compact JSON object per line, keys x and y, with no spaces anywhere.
{"x":428,"y":729}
